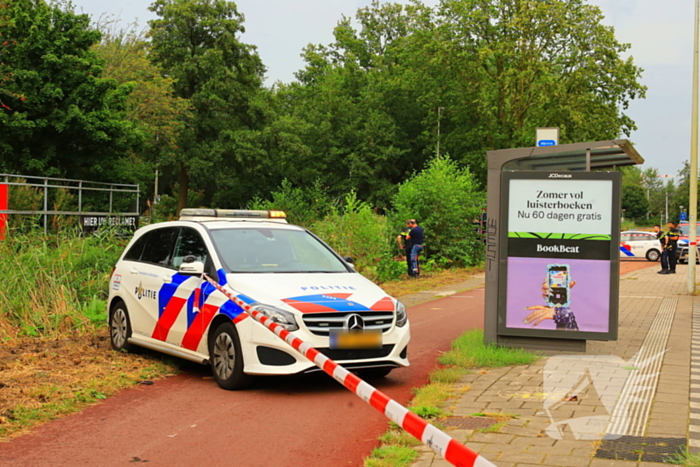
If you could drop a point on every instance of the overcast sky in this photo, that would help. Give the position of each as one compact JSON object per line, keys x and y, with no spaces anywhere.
{"x":660,"y":33}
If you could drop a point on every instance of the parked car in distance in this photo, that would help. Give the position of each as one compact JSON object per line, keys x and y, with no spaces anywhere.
{"x":682,"y":254}
{"x":159,"y":300}
{"x":639,"y":244}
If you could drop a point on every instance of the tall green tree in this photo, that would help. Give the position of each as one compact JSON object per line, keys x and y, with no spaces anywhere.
{"x":678,"y":191}
{"x":533,"y":63}
{"x":359,"y":105}
{"x":196,"y":42}
{"x":485,"y":72}
{"x":60,"y":116}
{"x":634,"y":202}
{"x":654,"y":186}
{"x":157,"y":115}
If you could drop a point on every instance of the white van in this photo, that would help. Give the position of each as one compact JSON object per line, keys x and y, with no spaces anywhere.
{"x":158,"y":299}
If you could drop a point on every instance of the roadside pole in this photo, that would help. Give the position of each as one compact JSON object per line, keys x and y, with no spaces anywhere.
{"x":4,"y":203}
{"x":693,"y":207}
{"x":443,"y":444}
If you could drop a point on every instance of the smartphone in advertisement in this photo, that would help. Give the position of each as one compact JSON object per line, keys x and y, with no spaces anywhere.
{"x":558,"y":281}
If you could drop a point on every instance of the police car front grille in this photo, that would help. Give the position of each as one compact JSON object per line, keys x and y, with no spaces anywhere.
{"x":322,"y":324}
{"x":357,"y":354}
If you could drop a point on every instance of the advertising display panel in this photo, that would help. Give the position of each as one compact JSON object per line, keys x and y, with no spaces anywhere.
{"x":561,"y":261}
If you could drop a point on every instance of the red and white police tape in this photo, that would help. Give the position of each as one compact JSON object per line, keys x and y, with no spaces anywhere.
{"x":451,"y":450}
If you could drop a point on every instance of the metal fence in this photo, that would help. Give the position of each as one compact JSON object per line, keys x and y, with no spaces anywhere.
{"x":81,"y":186}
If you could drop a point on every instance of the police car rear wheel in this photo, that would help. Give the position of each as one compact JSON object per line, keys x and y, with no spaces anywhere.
{"x":226,"y":358}
{"x":119,"y":327}
{"x":653,"y":255}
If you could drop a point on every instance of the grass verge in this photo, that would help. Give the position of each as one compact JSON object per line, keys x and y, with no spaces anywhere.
{"x":430,"y":280}
{"x":468,"y":351}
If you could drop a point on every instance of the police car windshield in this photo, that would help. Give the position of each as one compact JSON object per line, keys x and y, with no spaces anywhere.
{"x":265,"y":250}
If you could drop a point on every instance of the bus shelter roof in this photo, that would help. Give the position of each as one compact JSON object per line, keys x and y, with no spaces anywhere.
{"x":592,"y":155}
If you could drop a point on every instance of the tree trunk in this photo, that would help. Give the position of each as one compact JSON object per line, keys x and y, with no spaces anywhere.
{"x":184,"y":188}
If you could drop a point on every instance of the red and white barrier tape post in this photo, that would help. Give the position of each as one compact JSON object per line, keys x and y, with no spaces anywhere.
{"x":451,"y":450}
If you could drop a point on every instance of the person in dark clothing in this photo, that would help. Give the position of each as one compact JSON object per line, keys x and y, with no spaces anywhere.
{"x":657,"y":231}
{"x":416,"y":237}
{"x":406,"y":244}
{"x":669,"y":243}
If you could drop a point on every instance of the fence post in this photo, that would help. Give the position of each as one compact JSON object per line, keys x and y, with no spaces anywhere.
{"x":46,"y":205}
{"x":4,"y":206}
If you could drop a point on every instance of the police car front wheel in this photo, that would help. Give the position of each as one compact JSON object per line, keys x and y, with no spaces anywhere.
{"x":226,"y":358}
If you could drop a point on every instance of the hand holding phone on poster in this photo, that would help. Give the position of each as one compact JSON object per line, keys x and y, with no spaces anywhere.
{"x":556,"y":293}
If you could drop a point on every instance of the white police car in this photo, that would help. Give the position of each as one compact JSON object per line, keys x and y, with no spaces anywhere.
{"x":639,"y":244}
{"x":682,"y":250}
{"x":158,"y":300}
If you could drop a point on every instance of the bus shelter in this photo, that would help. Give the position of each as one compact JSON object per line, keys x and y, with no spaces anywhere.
{"x":552,"y":244}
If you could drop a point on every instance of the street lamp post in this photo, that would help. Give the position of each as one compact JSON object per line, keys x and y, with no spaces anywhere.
{"x":440,"y":109}
{"x":693,"y":176}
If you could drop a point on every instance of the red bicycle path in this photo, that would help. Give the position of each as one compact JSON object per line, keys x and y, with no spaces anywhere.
{"x":305,"y":420}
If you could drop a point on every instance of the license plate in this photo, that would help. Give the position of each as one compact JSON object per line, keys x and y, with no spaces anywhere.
{"x":356,"y":339}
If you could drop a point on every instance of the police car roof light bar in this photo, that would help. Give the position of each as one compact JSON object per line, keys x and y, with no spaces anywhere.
{"x":232,"y":213}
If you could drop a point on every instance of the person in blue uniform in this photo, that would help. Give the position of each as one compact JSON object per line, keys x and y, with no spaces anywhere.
{"x":416,"y":237}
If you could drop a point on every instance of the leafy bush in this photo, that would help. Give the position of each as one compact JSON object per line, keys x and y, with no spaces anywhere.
{"x":356,"y":231}
{"x":389,"y":269}
{"x":443,"y":199}
{"x":165,"y":210}
{"x":303,"y":205}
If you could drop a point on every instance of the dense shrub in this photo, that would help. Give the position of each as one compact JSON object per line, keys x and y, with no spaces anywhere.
{"x":356,"y":231}
{"x":443,"y":199}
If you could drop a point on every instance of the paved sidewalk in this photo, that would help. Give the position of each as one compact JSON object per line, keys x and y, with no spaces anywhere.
{"x":635,"y":392}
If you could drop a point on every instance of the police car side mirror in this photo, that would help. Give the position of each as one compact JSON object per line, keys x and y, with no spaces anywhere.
{"x":350,"y":261}
{"x":195,"y":268}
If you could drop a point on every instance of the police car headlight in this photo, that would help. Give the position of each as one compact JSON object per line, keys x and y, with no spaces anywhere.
{"x":281,"y":317}
{"x":401,"y":315}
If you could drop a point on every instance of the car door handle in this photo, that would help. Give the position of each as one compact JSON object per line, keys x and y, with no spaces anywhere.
{"x":134,"y":271}
{"x":167,"y":279}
